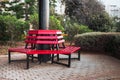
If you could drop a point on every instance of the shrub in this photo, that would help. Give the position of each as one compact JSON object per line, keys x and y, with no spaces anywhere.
{"x":84,"y":29}
{"x":15,"y":27}
{"x":55,"y":23}
{"x":99,"y":41}
{"x":12,"y":28}
{"x":3,"y":34}
{"x":34,"y":20}
{"x":118,"y":26}
{"x":21,"y":26}
{"x":75,"y":28}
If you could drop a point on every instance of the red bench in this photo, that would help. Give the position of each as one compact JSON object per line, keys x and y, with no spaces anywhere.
{"x":53,"y":38}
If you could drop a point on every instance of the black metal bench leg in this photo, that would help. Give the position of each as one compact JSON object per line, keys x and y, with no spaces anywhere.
{"x":32,"y":58}
{"x":27,"y":66}
{"x":57,"y":57}
{"x":57,"y":46}
{"x":9,"y":57}
{"x":52,"y":58}
{"x":79,"y":55}
{"x":69,"y":60}
{"x":39,"y":58}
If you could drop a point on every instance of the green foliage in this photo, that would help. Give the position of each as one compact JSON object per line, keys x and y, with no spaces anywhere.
{"x":3,"y":34}
{"x":117,"y":26}
{"x":21,"y":26}
{"x":18,"y":9}
{"x":52,"y":7}
{"x":30,"y":7}
{"x":12,"y":28}
{"x":101,"y":22}
{"x":55,"y":23}
{"x":116,"y":46}
{"x":74,"y":28}
{"x":90,"y":13}
{"x":28,"y":1}
{"x":3,"y":5}
{"x":99,"y":41}
{"x":34,"y":21}
{"x":84,"y":29}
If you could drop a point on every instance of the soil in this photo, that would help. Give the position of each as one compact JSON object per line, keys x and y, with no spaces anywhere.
{"x":4,"y":46}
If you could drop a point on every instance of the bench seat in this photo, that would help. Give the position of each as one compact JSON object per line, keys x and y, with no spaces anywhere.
{"x":67,"y":51}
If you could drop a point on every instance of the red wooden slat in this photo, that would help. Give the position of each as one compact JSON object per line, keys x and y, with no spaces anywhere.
{"x":44,"y":32}
{"x":44,"y":41}
{"x":44,"y":37}
{"x":21,"y":50}
{"x":71,"y":49}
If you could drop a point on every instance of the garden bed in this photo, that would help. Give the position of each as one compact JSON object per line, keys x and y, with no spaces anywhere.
{"x":5,"y":45}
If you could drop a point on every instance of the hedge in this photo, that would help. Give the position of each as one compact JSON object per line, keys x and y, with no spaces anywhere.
{"x":99,"y":41}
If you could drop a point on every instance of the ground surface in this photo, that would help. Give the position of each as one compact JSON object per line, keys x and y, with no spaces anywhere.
{"x":93,"y":66}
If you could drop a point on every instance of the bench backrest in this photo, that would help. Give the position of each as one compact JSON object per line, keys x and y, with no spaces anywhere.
{"x":50,"y":37}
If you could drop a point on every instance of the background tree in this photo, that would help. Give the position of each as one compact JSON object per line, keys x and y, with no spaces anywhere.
{"x":18,"y":8}
{"x":87,"y":11}
{"x":101,"y":22}
{"x":72,"y":28}
{"x":56,"y":23}
{"x":34,"y":20}
{"x":3,"y":6}
{"x":118,"y":26}
{"x":52,"y":7}
{"x":30,"y":8}
{"x":3,"y":34}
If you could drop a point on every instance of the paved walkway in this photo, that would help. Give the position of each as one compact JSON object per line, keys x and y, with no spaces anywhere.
{"x":91,"y":67}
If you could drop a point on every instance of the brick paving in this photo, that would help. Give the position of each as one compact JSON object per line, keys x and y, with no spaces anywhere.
{"x":93,"y":66}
